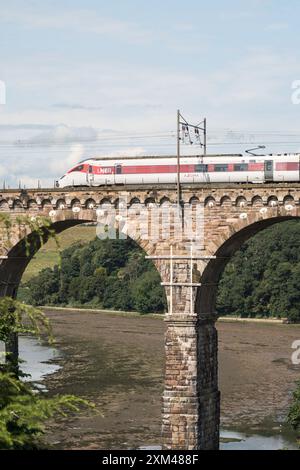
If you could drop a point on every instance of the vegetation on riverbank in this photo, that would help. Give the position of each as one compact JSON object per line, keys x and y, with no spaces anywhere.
{"x":24,"y":409}
{"x":109,"y":274}
{"x":294,"y":411}
{"x":261,"y":280}
{"x":263,"y":277}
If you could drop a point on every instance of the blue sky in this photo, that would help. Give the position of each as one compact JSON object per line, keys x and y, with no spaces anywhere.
{"x":95,"y":77}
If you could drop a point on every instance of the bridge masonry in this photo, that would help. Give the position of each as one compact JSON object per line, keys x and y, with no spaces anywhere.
{"x":190,"y":269}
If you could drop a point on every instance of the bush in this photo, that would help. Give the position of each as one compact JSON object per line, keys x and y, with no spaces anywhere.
{"x":23,"y":408}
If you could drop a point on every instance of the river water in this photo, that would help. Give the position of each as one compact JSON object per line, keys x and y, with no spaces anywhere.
{"x":117,"y":362}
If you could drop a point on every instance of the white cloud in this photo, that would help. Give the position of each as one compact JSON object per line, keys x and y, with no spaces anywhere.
{"x":62,"y":134}
{"x":79,"y":20}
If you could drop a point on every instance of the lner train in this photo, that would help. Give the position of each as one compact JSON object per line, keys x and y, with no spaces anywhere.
{"x":194,"y":169}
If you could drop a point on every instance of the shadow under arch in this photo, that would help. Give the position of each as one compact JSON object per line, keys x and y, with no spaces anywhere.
{"x":207,"y":293}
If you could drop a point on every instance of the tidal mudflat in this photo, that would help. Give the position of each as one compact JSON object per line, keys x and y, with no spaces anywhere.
{"x":117,"y":362}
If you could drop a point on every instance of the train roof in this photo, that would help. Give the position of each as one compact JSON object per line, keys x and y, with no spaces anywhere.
{"x":142,"y":157}
{"x":213,"y":155}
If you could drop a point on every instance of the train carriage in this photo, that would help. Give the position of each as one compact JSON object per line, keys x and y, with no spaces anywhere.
{"x":193,"y":169}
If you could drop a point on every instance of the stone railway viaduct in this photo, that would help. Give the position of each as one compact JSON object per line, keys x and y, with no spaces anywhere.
{"x":232,"y":214}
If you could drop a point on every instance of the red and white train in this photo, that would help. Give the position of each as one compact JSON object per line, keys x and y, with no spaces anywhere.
{"x":194,"y":169}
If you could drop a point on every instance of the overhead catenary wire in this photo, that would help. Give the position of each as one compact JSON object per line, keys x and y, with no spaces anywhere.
{"x":137,"y":136}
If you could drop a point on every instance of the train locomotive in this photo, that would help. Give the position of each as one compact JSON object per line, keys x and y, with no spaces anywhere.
{"x":233,"y":168}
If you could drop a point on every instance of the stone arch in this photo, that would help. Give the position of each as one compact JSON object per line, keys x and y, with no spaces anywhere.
{"x":150,"y":201}
{"x":75,"y":203}
{"x":32,"y":204}
{"x":225,"y":201}
{"x":4,"y":205}
{"x":272,"y":201}
{"x":209,"y":202}
{"x":46,"y":204}
{"x":241,"y":201}
{"x":134,"y":201}
{"x":61,"y":204}
{"x":120,"y":203}
{"x":18,"y":257}
{"x":194,"y":200}
{"x":90,"y":204}
{"x":105,"y":200}
{"x":205,"y":308}
{"x":18,"y":205}
{"x":164,"y":200}
{"x":288,"y":200}
{"x":206,"y":295}
{"x":257,"y":201}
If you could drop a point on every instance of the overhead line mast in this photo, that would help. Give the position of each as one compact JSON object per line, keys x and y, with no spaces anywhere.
{"x":184,"y":136}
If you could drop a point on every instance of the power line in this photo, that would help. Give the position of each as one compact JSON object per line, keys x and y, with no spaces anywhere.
{"x":115,"y":146}
{"x":130,"y":138}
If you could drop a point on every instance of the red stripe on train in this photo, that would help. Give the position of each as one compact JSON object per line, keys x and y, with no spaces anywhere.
{"x":185,"y":168}
{"x":287,"y":166}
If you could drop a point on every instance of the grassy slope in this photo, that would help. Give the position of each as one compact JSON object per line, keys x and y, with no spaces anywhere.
{"x":47,"y":256}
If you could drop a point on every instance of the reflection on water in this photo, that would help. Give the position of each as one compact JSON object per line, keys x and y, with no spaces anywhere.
{"x":231,"y":440}
{"x":39,"y":360}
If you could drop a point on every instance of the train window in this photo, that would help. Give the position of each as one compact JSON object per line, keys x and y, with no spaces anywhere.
{"x":221,"y":167}
{"x":78,"y":168}
{"x":240,"y":167}
{"x":201,"y":167}
{"x":269,"y":165}
{"x":118,"y":169}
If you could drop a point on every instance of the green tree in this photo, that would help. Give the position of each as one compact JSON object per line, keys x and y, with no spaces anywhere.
{"x":293,"y":417}
{"x":102,"y":273}
{"x":23,"y":408}
{"x":262,"y":278}
{"x":147,"y":293}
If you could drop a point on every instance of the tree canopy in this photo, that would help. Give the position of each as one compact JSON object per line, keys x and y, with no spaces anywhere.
{"x":108,"y":274}
{"x":262,"y":279}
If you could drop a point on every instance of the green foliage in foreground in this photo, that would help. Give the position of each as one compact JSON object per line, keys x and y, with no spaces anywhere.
{"x":293,"y":417}
{"x":23,"y":408}
{"x":294,"y":411}
{"x":16,"y":317}
{"x":24,"y":411}
{"x":109,"y":274}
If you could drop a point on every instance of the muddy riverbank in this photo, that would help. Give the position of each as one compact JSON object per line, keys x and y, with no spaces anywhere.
{"x":117,"y":362}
